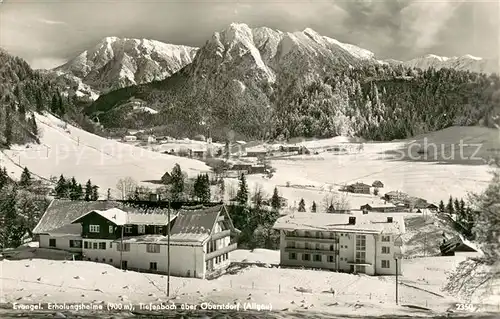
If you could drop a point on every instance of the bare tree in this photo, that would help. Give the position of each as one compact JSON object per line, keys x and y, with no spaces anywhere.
{"x":258,"y":195}
{"x":339,"y":201}
{"x":126,"y":186}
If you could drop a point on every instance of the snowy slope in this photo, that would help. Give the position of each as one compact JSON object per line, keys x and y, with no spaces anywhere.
{"x":462,"y":63}
{"x":74,"y":152}
{"x":118,"y":62}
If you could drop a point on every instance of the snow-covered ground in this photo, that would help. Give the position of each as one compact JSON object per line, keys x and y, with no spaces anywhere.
{"x":74,"y":152}
{"x":36,"y":280}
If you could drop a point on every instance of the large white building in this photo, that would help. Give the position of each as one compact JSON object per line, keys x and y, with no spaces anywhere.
{"x":360,"y":243}
{"x":110,"y":232}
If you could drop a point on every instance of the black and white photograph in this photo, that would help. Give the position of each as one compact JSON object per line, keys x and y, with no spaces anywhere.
{"x":278,"y":159}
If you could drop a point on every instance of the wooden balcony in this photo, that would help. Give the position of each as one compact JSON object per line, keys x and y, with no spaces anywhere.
{"x":222,"y":251}
{"x":222,"y":234}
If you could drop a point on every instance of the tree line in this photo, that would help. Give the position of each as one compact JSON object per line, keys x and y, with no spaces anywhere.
{"x":22,"y":203}
{"x":70,"y":189}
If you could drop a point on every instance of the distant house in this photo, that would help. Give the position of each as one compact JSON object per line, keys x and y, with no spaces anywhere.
{"x":378,"y":184}
{"x":151,"y":139}
{"x":166,"y":178}
{"x":380,"y":208}
{"x":129,"y":138}
{"x":432,"y":208}
{"x":199,"y":153}
{"x":261,"y":153}
{"x":359,"y":188}
{"x":242,"y":168}
{"x":395,"y":196}
{"x":258,"y":169}
{"x":289,"y":149}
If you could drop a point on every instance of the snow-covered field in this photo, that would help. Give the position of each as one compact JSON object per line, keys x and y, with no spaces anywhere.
{"x":74,"y":152}
{"x":44,"y":281}
{"x":312,"y":176}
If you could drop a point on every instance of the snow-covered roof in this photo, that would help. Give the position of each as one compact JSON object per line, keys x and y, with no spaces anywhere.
{"x":114,"y":215}
{"x":365,"y":223}
{"x":381,"y":205}
{"x":195,"y":225}
{"x":60,"y":214}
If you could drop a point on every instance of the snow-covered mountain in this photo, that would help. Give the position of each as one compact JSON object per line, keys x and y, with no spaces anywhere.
{"x":462,"y":63}
{"x":119,"y":62}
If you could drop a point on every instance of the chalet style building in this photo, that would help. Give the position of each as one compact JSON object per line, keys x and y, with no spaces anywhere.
{"x":378,"y":184}
{"x":359,"y":188}
{"x":364,"y":243}
{"x":380,"y":208}
{"x":201,"y":239}
{"x":396,"y":196}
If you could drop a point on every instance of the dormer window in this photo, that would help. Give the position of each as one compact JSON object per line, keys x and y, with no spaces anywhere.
{"x":128,"y":229}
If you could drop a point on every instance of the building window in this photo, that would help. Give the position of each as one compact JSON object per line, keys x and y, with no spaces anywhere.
{"x":75,"y":244}
{"x":86,"y":245}
{"x":306,"y":246}
{"x":319,"y":234}
{"x":52,"y":242}
{"x":292,"y":256}
{"x":110,"y":260}
{"x":111,"y":230}
{"x":361,"y":242}
{"x":153,"y":248}
{"x":153,"y":266}
{"x":291,"y":244}
{"x":318,"y":247}
{"x":386,"y":264}
{"x":386,"y":238}
{"x":386,"y":250}
{"x":306,"y":257}
{"x":331,"y":259}
{"x":227,"y":255}
{"x":141,"y":229}
{"x":159,"y":230}
{"x":102,"y":245}
{"x":128,"y":229}
{"x":104,"y":260}
{"x":307,"y":234}
{"x":94,"y":245}
{"x":360,"y":256}
{"x":110,"y":244}
{"x":317,"y":257}
{"x":331,"y":247}
{"x":93,"y":228}
{"x":126,"y":247}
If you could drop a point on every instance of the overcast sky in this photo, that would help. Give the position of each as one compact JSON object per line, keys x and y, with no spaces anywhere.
{"x":48,"y":32}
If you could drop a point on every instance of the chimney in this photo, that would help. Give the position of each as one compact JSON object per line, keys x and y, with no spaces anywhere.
{"x":352,"y":220}
{"x":389,"y":219}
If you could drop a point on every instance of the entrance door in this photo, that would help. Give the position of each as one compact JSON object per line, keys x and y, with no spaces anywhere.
{"x":361,"y":269}
{"x":124,"y":264}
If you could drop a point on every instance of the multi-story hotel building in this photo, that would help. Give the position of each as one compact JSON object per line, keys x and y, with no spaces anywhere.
{"x":364,"y":243}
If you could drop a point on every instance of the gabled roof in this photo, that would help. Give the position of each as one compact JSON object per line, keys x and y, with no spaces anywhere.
{"x":381,"y":205}
{"x":195,"y":225}
{"x":60,"y":214}
{"x":114,"y":215}
{"x":360,"y":184}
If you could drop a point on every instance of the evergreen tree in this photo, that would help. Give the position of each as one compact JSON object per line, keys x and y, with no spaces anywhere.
{"x":206,"y":194}
{"x":26,"y":179}
{"x":302,"y":205}
{"x":95,"y":192}
{"x":242,"y":194}
{"x":330,"y":209}
{"x":79,"y":192}
{"x":462,"y":211}
{"x":449,"y":207}
{"x":222,"y":189}
{"x":61,"y":188}
{"x":11,"y":224}
{"x":441,"y":206}
{"x":108,"y":194}
{"x":88,"y":191}
{"x":177,"y":187}
{"x":275,"y":200}
{"x":8,"y":127}
{"x":73,"y":189}
{"x":197,"y":188}
{"x":34,"y":126}
{"x":4,"y":178}
{"x":313,"y":207}
{"x":456,"y":206}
